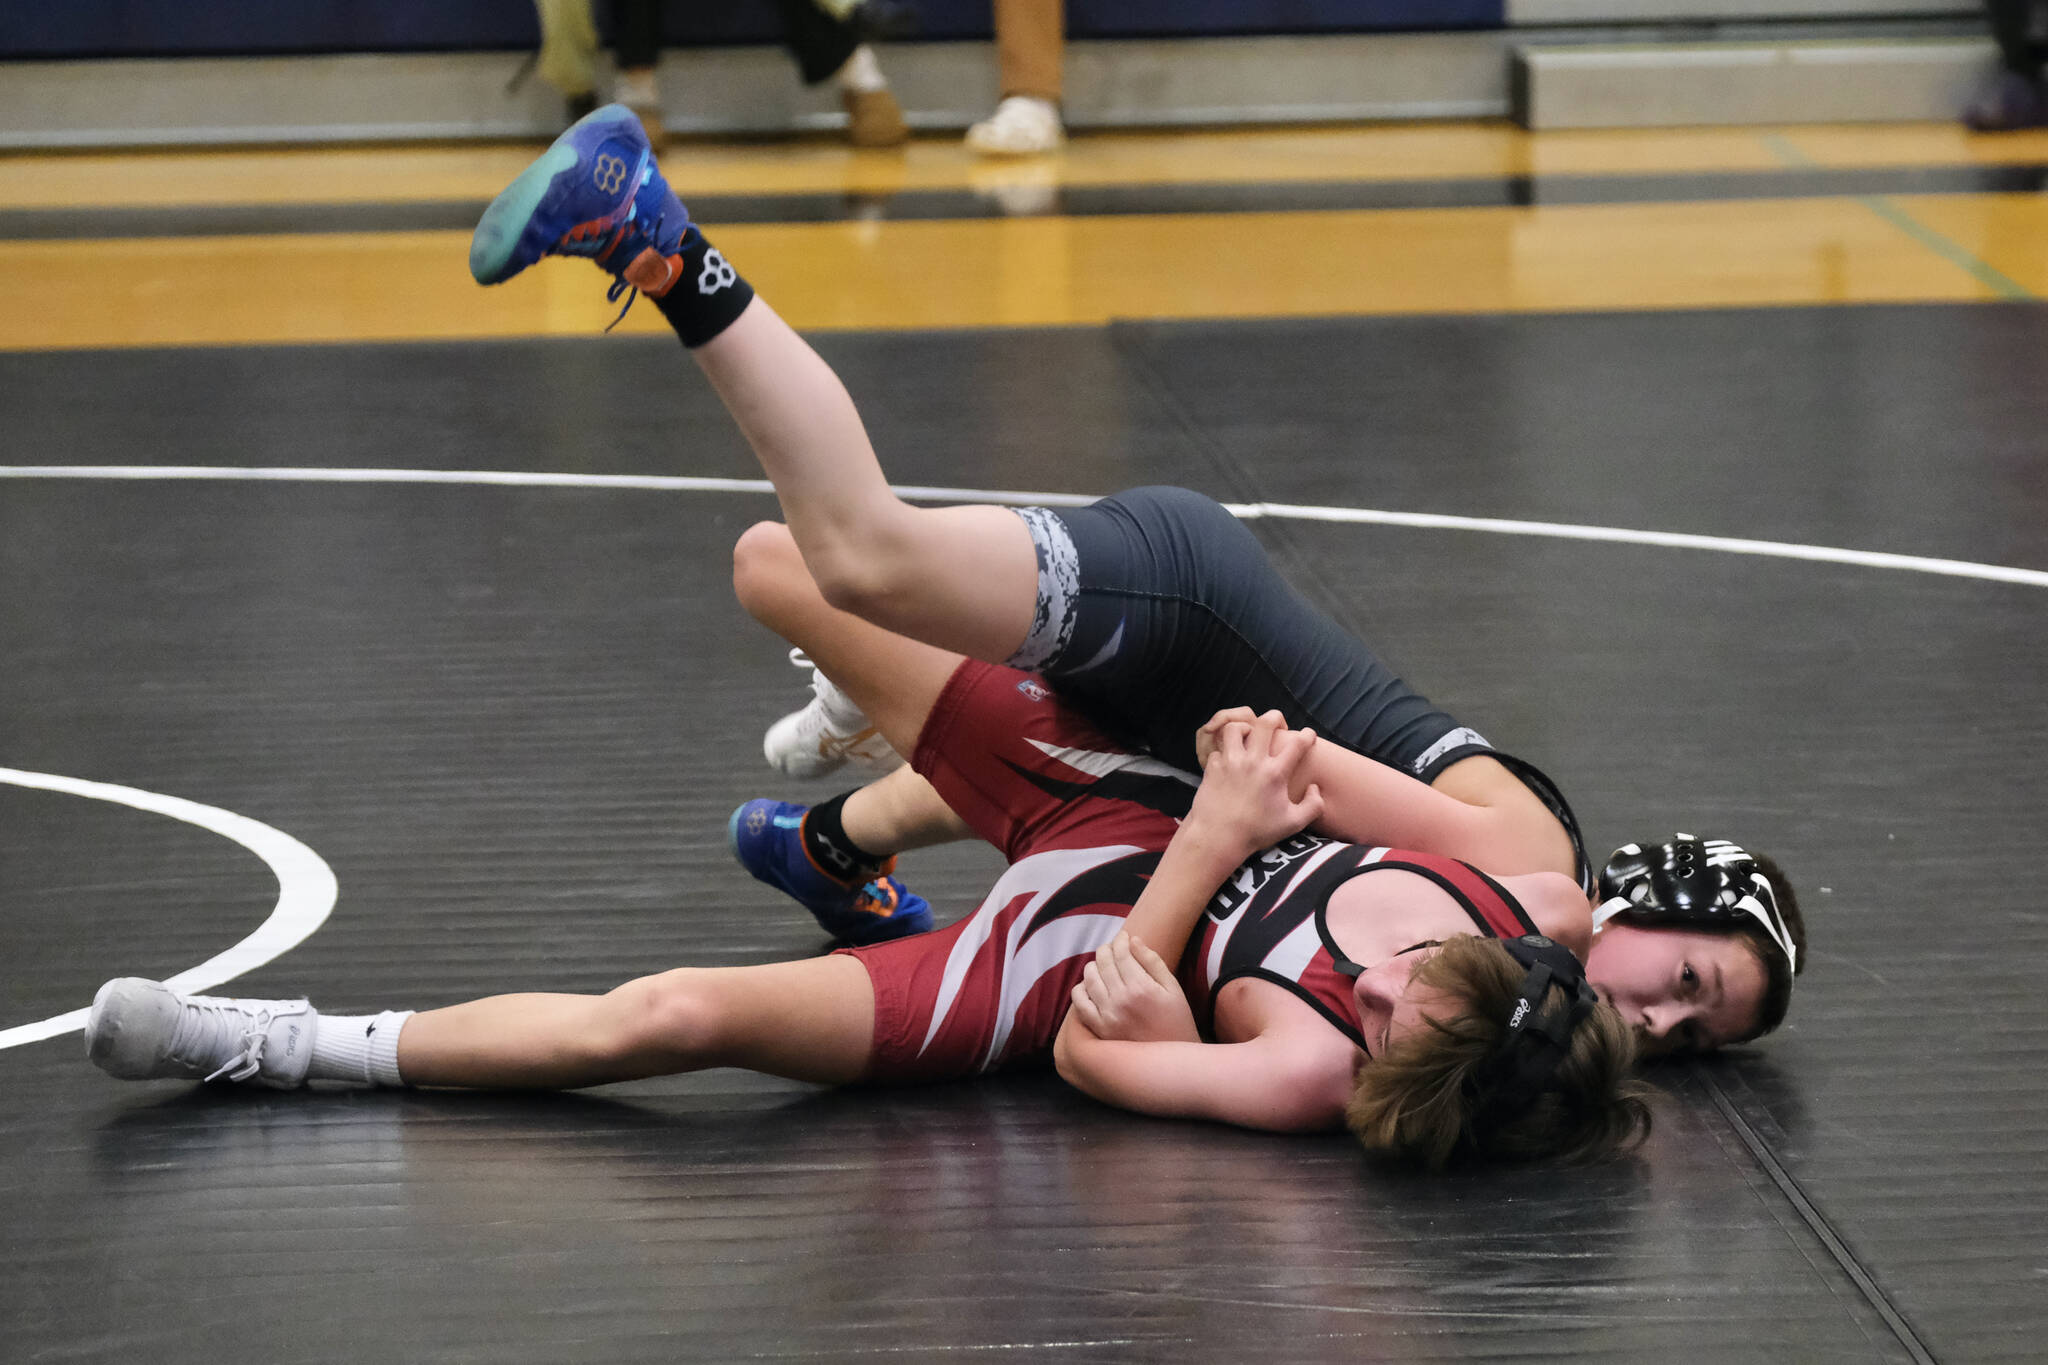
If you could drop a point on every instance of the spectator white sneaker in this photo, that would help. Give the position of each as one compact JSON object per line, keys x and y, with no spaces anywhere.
{"x":1022,"y":125}
{"x":827,"y":734}
{"x":139,"y":1030}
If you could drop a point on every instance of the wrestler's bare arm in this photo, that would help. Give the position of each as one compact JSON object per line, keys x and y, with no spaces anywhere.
{"x":1477,"y":812}
{"x":1557,"y":905}
{"x":1130,"y":992}
{"x":1248,"y":801}
{"x":1285,"y":1080}
{"x":1367,"y":802}
{"x":1280,"y":1082}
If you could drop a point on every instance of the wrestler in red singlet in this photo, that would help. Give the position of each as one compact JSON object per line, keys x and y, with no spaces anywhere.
{"x":1083,"y":823}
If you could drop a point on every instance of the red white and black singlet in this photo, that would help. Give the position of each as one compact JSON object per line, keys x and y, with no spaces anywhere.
{"x":1083,"y":823}
{"x":1271,"y":922}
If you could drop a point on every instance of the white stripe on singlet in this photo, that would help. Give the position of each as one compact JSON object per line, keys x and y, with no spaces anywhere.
{"x":1041,"y":875}
{"x":1291,"y":955}
{"x":1227,"y":926}
{"x":1066,"y":937}
{"x":1101,"y":763}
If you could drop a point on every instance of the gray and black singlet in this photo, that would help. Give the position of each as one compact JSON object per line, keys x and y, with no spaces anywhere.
{"x":1157,"y":608}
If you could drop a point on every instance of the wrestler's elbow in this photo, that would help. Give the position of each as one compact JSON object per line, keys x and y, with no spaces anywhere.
{"x":1519,"y":841}
{"x":1072,"y":1056}
{"x":1063,"y":1049}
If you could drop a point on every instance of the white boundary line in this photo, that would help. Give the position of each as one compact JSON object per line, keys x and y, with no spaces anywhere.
{"x":1771,"y":549}
{"x":1677,"y":540}
{"x":306,"y":889}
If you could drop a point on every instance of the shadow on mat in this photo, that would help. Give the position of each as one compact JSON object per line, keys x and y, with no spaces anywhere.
{"x":882,"y":1167}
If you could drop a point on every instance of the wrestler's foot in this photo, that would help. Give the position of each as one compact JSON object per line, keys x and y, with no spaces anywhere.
{"x":1022,"y":125}
{"x":874,"y":118}
{"x":2010,"y":103}
{"x":827,"y":734}
{"x":141,"y":1030}
{"x":596,"y":192}
{"x":767,"y":838}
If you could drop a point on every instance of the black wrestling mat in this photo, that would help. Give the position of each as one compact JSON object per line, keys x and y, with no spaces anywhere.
{"x":512,"y":721}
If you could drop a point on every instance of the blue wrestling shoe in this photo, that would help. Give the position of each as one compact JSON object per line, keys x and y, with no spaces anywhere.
{"x":595,"y":193}
{"x":767,"y":838}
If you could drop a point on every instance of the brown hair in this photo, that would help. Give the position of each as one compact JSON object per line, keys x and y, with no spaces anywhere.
{"x":1419,"y":1099}
{"x":1778,"y":973}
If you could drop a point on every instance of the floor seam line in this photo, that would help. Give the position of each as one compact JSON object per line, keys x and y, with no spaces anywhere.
{"x":1236,"y":473}
{"x":1953,"y":252}
{"x":1239,"y":476}
{"x":1882,"y":206}
{"x":1816,"y":1221}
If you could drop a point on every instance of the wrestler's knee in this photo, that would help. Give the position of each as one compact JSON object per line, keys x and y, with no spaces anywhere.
{"x":670,"y":1017}
{"x":764,"y":562}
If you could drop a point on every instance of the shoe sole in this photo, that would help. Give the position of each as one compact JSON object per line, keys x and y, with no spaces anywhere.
{"x":104,"y":1037}
{"x":98,"y":1043}
{"x":500,"y":230}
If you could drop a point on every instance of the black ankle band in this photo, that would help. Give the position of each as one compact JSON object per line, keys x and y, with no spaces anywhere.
{"x":835,"y":854}
{"x":708,"y":297}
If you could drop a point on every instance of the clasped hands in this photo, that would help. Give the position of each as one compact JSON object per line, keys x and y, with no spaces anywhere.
{"x":1253,"y":793}
{"x":1247,"y":801}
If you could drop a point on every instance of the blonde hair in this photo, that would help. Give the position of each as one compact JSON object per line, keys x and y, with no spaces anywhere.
{"x":1420,"y":1099}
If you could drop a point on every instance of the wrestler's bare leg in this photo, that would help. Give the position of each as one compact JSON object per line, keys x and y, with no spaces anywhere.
{"x":1509,"y":833}
{"x":810,"y":1021}
{"x":892,"y":678}
{"x":961,"y":578}
{"x":901,"y":812}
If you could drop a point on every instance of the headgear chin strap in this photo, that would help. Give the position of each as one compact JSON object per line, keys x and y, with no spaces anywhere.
{"x":1692,"y":883}
{"x":1537,"y":1040}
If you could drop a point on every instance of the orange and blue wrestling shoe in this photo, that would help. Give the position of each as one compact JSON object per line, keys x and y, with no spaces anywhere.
{"x":595,"y":193}
{"x":767,"y":838}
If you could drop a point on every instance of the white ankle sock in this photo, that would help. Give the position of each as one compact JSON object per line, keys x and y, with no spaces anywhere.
{"x":862,"y":73}
{"x":361,"y":1047}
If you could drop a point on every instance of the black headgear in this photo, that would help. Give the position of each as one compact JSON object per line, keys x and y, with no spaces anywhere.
{"x":1692,"y":883}
{"x":1536,"y":1040}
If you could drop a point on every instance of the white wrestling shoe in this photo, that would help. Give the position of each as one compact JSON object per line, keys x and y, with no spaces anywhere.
{"x":1022,"y":125}
{"x":827,"y":734}
{"x":139,"y":1030}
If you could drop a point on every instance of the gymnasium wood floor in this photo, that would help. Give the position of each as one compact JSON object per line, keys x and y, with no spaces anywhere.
{"x":300,"y":526}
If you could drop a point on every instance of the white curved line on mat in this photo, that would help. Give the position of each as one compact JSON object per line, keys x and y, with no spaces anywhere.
{"x":1770,"y":549}
{"x":306,"y":888}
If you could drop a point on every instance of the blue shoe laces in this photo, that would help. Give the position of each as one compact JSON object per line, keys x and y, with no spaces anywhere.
{"x":611,"y":295}
{"x":620,"y":284}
